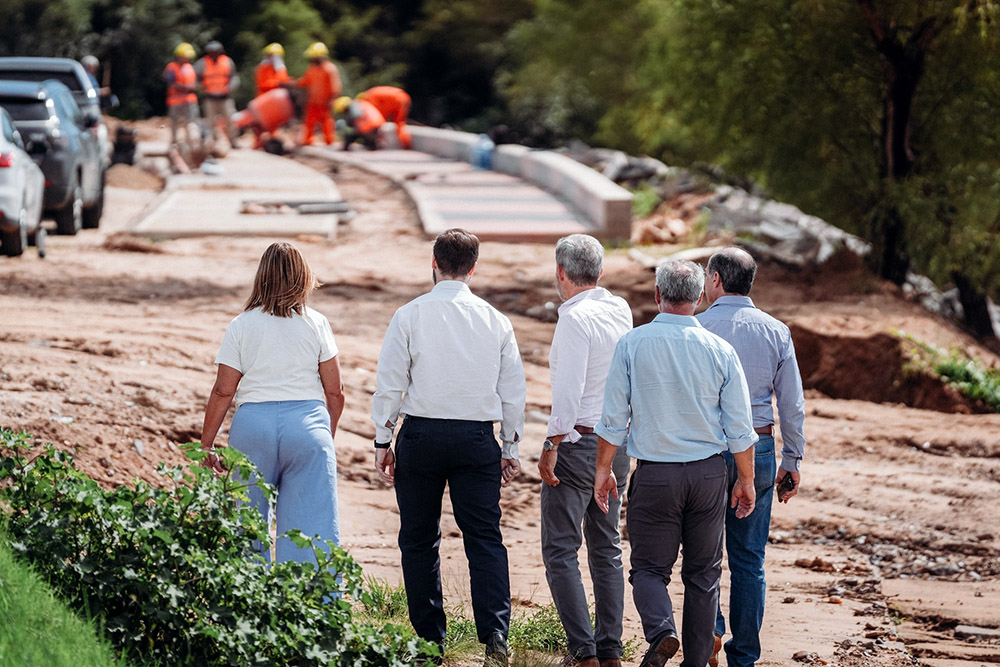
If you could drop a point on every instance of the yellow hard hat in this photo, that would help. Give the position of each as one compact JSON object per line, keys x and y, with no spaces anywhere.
{"x":184,"y":50}
{"x":340,"y":104}
{"x":317,"y":50}
{"x":274,"y":49}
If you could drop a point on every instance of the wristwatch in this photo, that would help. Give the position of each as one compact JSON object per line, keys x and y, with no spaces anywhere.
{"x":548,"y":445}
{"x":382,"y":445}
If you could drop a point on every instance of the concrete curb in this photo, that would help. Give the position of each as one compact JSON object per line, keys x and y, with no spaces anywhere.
{"x":605,"y":204}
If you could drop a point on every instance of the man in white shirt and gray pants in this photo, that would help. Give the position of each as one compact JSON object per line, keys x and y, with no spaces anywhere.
{"x":591,"y":320}
{"x":450,"y":366}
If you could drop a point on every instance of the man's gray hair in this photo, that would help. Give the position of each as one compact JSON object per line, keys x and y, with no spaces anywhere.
{"x":581,"y":257}
{"x":680,"y":281}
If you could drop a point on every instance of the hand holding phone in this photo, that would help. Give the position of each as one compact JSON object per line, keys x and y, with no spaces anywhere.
{"x":785,"y":486}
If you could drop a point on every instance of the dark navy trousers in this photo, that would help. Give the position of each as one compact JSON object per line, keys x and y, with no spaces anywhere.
{"x":464,"y":455}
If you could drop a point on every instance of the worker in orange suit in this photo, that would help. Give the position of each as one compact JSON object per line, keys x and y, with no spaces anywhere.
{"x":363,"y":121}
{"x":394,"y":105}
{"x":182,"y":103}
{"x":322,"y":83}
{"x":271,"y":72}
{"x":219,"y":80}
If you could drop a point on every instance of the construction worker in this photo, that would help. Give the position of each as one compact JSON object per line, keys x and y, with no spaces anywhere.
{"x":394,"y":105}
{"x":271,"y":72}
{"x":362,"y":119}
{"x":218,"y":79}
{"x":182,"y":103}
{"x":322,"y":83}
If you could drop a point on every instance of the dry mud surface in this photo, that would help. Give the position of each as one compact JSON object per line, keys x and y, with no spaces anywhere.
{"x":106,"y":349}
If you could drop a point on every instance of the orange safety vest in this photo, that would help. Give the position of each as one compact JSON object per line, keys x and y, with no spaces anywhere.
{"x":392,"y":102}
{"x":365,"y":117}
{"x":181,"y":91}
{"x":322,"y":82}
{"x":216,"y":75}
{"x":268,"y":78}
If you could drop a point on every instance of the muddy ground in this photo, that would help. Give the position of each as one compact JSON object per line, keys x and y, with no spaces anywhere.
{"x":106,"y":349}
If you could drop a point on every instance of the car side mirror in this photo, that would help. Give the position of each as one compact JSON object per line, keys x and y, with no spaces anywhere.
{"x":91,"y":119}
{"x":18,"y":141}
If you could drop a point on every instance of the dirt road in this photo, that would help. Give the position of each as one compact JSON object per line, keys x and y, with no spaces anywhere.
{"x":106,"y":349}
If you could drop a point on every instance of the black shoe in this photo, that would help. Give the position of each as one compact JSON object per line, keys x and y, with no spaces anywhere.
{"x":660,"y":650}
{"x":496,"y":651}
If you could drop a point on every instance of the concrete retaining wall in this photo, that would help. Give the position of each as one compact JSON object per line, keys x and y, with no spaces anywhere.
{"x":606,"y":205}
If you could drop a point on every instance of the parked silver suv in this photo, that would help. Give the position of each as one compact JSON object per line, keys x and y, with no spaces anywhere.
{"x":62,"y":139}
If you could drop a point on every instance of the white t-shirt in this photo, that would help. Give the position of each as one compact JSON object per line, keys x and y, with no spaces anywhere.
{"x":279,"y":357}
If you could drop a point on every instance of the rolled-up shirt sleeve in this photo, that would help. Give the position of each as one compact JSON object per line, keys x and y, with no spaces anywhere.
{"x":569,"y":378}
{"x":512,"y":390}
{"x":791,"y":409}
{"x":617,"y":410}
{"x":392,"y":379}
{"x":734,"y":400}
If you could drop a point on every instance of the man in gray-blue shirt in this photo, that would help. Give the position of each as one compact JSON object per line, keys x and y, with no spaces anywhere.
{"x":765,"y":348}
{"x":676,"y":394}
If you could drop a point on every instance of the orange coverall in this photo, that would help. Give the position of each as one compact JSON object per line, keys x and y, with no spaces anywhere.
{"x":322,"y":81}
{"x":394,"y":104}
{"x":268,"y":78}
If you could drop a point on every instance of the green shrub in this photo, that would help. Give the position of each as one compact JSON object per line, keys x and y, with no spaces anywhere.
{"x":644,"y":201}
{"x":174,"y":575}
{"x":972,"y":379}
{"x":37,"y":629}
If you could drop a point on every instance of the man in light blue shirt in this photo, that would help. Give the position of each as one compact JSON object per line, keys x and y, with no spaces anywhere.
{"x":765,"y":348}
{"x":677,"y":396}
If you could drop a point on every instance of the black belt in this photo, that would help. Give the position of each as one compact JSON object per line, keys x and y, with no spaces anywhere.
{"x":641,"y":462}
{"x":583,"y":430}
{"x":764,"y":430}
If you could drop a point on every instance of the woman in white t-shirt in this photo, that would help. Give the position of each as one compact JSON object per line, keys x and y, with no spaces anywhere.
{"x":279,"y":359}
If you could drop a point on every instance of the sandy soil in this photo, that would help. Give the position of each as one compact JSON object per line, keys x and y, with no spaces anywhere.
{"x":106,"y":349}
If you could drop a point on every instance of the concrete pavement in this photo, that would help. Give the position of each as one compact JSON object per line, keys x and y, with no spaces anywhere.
{"x":199,"y":204}
{"x":450,"y":193}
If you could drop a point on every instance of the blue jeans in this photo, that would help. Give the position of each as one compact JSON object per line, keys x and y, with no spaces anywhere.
{"x":745,"y":542}
{"x":291,"y":444}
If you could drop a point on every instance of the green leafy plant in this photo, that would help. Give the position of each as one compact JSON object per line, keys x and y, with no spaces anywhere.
{"x":38,"y":629}
{"x":174,"y":574}
{"x":972,"y":379}
{"x":644,"y":201}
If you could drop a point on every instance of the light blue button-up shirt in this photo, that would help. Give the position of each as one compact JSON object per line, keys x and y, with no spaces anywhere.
{"x":676,"y":393}
{"x":767,"y":354}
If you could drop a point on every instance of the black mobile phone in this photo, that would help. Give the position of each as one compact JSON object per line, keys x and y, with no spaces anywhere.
{"x":785,"y":486}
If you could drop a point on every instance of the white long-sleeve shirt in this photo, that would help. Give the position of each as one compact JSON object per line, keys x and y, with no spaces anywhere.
{"x":590,"y":324}
{"x":448,"y":354}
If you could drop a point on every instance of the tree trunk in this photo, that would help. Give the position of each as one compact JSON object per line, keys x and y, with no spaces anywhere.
{"x":976,"y":312}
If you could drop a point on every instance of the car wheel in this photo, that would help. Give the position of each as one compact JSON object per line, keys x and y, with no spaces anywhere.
{"x":13,"y":243}
{"x":39,"y":241}
{"x":92,"y":214}
{"x":69,"y":219}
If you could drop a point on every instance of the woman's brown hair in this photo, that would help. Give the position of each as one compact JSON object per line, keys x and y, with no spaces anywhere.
{"x":283,"y":281}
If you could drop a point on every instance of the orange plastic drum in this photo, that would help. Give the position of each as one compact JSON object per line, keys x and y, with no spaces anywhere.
{"x":267,"y":112}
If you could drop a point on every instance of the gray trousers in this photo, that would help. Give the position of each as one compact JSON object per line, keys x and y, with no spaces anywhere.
{"x":669,"y":505}
{"x":221,"y":109}
{"x":569,"y":514}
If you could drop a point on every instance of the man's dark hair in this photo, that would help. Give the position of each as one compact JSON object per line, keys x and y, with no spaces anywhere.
{"x":456,"y":252}
{"x":737,"y":269}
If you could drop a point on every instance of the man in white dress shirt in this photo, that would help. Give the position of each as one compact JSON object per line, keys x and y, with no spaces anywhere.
{"x":591,"y":320}
{"x":450,"y":367}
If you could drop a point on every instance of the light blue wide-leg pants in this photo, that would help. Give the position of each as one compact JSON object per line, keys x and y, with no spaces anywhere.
{"x":291,"y":444}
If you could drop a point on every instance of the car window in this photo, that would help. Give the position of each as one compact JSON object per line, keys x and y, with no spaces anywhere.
{"x":25,"y":108}
{"x":66,"y":107}
{"x":67,"y":78}
{"x":8,"y":128}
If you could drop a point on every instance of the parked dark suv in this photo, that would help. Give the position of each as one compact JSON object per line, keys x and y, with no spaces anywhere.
{"x":69,"y":72}
{"x":62,"y":139}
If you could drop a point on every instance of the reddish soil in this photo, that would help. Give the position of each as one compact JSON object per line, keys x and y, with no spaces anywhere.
{"x":106,"y":349}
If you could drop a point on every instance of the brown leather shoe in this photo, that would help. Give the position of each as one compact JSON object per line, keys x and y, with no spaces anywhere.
{"x":611,"y":662}
{"x":570,"y":661}
{"x":714,"y":660}
{"x":662,"y":649}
